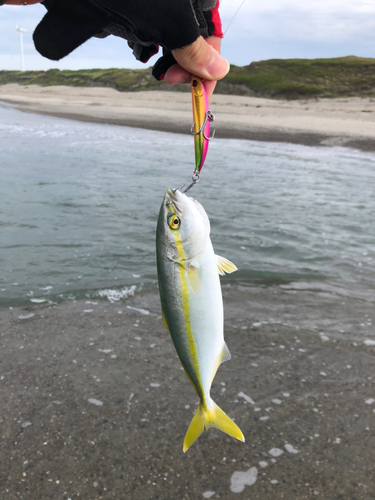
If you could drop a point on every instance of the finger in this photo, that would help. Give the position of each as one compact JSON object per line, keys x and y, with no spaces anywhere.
{"x":215,"y":42}
{"x":210,"y":87}
{"x":202,"y":59}
{"x":175,"y":74}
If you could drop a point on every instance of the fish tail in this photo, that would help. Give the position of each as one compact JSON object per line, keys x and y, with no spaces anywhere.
{"x":211,"y":416}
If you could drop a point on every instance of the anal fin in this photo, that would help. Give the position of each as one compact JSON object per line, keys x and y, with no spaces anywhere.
{"x":225,"y":355}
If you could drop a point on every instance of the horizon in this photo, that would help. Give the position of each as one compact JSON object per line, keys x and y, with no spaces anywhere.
{"x":234,"y":65}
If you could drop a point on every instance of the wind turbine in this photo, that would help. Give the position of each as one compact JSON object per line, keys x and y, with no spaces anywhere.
{"x":20,"y":31}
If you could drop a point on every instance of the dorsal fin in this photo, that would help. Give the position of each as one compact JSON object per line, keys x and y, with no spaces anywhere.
{"x":225,"y":266}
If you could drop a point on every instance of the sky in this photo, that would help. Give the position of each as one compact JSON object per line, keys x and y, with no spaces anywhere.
{"x":265,"y":29}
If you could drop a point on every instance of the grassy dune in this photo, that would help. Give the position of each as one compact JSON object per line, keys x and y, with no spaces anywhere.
{"x":304,"y":78}
{"x":275,"y":78}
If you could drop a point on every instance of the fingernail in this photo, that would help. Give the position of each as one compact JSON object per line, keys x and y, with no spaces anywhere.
{"x":218,"y":67}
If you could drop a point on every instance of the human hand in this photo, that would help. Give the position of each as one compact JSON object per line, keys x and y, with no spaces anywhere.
{"x":69,"y":23}
{"x":201,"y":58}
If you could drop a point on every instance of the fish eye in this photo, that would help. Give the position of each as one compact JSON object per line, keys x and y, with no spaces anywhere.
{"x":174,"y":222}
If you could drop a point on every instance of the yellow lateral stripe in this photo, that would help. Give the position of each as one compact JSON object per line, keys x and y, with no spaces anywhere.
{"x":186,"y":307}
{"x":188,"y":376}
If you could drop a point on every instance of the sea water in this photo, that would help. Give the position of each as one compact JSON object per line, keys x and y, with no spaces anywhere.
{"x":79,"y":204}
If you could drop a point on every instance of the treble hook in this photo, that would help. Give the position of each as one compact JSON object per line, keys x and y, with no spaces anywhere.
{"x":209,"y":117}
{"x":195,"y":179}
{"x":202,"y":117}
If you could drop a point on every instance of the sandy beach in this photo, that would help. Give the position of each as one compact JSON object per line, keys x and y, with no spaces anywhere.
{"x":345,"y":122}
{"x":95,"y":404}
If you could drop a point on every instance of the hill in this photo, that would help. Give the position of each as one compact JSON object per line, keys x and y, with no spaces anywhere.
{"x":276,"y":78}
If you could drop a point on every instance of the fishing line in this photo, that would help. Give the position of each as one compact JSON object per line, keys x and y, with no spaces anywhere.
{"x":21,"y":23}
{"x":230,"y":22}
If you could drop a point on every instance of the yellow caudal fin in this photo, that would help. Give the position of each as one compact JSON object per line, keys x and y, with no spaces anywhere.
{"x":210,"y":417}
{"x":195,"y":429}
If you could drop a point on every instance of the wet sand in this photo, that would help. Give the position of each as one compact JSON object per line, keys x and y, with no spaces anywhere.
{"x":326,"y":122}
{"x":94,"y":403}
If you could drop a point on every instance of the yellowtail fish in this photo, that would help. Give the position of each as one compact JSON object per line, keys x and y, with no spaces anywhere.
{"x":192,"y":304}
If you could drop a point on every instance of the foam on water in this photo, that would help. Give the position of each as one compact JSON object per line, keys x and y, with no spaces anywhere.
{"x":246,"y":398}
{"x":115,"y":295}
{"x":95,"y":402}
{"x":275,"y":452}
{"x":239,"y":480}
{"x":26,"y":316}
{"x":140,"y":310}
{"x":290,"y":449}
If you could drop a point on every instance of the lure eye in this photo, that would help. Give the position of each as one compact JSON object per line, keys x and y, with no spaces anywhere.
{"x":194,"y":83}
{"x":174,"y":222}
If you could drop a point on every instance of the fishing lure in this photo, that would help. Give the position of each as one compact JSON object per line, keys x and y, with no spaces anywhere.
{"x":202,"y":117}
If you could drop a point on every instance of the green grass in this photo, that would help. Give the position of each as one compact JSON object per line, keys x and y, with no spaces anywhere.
{"x":304,"y":78}
{"x":275,"y":78}
{"x":119,"y":79}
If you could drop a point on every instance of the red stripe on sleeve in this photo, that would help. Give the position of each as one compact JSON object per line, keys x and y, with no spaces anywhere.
{"x":217,"y":21}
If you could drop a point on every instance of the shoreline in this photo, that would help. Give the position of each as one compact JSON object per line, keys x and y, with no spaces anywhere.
{"x":324,"y":122}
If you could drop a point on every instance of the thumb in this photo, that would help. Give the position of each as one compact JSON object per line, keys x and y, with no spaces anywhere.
{"x":201,"y":59}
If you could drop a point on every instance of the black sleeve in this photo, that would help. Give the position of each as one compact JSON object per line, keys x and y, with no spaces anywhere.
{"x":146,"y":24}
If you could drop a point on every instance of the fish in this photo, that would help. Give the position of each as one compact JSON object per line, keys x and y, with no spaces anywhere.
{"x":192,"y":304}
{"x":202,"y":117}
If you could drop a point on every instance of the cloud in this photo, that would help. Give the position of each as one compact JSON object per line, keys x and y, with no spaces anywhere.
{"x":319,"y":20}
{"x":96,"y":53}
{"x":261,"y":30}
{"x":295,"y":29}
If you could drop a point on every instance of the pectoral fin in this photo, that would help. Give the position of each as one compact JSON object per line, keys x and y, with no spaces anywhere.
{"x":194,"y":279}
{"x":225,"y":266}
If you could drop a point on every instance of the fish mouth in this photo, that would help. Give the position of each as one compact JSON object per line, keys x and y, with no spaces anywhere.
{"x":173,"y":197}
{"x":172,"y":194}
